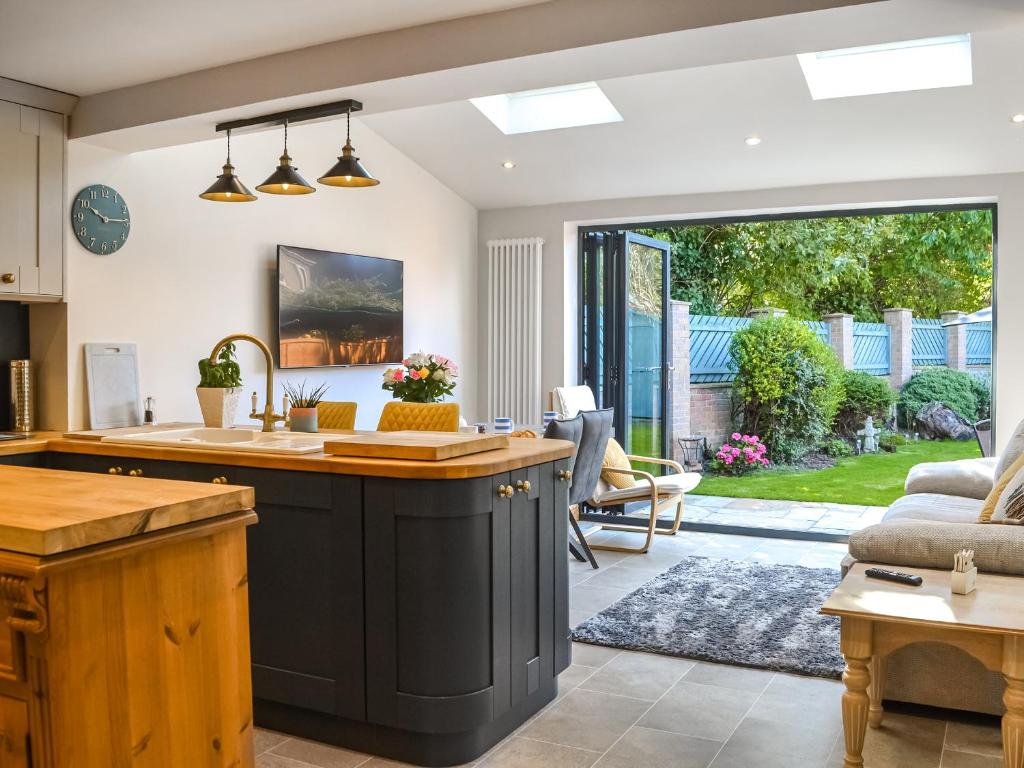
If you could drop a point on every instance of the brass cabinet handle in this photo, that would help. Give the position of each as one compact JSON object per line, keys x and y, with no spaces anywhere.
{"x":135,"y":473}
{"x":506,"y":491}
{"x":115,"y":471}
{"x":523,"y":486}
{"x":565,"y":475}
{"x":221,"y":480}
{"x":7,"y":278}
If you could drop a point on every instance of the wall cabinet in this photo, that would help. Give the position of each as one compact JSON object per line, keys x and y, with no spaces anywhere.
{"x":31,"y":203}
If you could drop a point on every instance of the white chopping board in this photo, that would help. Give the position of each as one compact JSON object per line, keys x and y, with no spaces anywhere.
{"x":112,"y":379}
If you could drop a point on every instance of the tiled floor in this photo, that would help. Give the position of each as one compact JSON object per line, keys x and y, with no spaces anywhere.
{"x":620,"y":709}
{"x":803,"y":516}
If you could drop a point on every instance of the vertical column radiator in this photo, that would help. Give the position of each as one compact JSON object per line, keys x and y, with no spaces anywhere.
{"x":513,"y":329}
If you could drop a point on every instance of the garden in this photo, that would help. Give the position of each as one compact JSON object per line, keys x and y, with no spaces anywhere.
{"x":808,"y":430}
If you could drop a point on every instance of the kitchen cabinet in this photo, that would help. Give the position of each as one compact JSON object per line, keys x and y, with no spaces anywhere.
{"x":31,"y":203}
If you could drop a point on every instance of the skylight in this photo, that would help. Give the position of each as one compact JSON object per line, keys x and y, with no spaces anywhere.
{"x":545,"y":109}
{"x":910,"y":65}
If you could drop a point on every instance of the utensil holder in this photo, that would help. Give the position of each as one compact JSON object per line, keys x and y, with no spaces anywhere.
{"x":962,"y":582}
{"x":22,"y":396}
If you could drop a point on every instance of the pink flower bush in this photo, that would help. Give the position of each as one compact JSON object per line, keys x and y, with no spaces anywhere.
{"x":740,"y":454}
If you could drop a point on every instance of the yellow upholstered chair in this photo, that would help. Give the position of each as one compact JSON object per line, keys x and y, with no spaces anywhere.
{"x":420,"y":417}
{"x":336,"y":415}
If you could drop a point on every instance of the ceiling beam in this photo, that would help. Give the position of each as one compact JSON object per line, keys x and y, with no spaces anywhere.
{"x":526,"y":31}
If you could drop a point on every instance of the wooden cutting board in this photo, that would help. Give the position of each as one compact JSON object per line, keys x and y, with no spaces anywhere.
{"x":417,"y":446}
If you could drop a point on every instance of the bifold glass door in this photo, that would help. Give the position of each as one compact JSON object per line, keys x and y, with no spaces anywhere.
{"x":624,"y":339}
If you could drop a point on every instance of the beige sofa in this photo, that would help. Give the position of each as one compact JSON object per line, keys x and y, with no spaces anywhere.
{"x":925,"y":528}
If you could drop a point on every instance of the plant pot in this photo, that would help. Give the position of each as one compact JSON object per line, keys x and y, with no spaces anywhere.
{"x":303,"y":419}
{"x":219,"y":405}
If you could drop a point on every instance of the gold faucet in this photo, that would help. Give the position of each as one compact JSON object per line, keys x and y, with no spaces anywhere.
{"x":268,"y":417}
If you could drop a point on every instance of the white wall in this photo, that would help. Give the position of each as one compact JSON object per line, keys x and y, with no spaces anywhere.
{"x":558,"y":225}
{"x":194,"y":271}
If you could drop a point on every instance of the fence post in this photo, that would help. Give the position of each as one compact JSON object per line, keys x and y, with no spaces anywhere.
{"x":841,"y":332}
{"x":679,"y":330}
{"x":901,"y":343}
{"x":956,"y":341}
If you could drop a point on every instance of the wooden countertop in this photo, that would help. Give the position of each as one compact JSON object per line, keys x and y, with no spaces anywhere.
{"x":35,"y":443}
{"x":47,"y":511}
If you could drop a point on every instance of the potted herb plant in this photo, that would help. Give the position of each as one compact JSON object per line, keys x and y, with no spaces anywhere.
{"x":302,"y":414}
{"x":220,"y":384}
{"x":422,"y":378}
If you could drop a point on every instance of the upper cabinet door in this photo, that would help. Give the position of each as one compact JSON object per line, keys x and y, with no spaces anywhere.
{"x":31,"y":201}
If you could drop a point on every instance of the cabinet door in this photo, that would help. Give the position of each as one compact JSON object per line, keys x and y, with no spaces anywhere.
{"x":559,"y":483}
{"x":17,"y":189}
{"x":14,"y":749}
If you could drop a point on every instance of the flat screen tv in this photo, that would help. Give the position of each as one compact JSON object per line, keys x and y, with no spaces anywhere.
{"x":337,"y":308}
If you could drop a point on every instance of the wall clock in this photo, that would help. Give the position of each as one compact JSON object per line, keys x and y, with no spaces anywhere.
{"x":100,"y":218}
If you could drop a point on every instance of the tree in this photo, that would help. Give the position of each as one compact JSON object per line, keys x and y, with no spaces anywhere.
{"x":928,"y":262}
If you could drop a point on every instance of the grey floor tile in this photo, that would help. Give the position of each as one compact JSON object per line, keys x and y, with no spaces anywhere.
{"x":972,"y":737}
{"x":703,"y":711}
{"x":658,"y":749}
{"x":319,"y":755}
{"x":586,"y":719}
{"x":735,"y":756}
{"x":594,"y":599}
{"x":524,"y":753}
{"x":270,"y":760}
{"x":573,"y":676}
{"x":264,"y":740}
{"x":639,"y":675}
{"x":953,"y":759}
{"x":725,"y":676}
{"x":793,"y":739}
{"x":902,"y":741}
{"x":578,"y":617}
{"x":588,"y":655}
{"x":618,"y":577}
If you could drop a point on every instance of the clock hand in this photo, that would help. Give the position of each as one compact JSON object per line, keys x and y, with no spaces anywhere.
{"x":103,"y":218}
{"x":119,"y":221}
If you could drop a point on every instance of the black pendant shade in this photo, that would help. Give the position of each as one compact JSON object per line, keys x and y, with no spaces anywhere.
{"x":348,"y":171}
{"x":286,"y":179}
{"x":228,"y":188}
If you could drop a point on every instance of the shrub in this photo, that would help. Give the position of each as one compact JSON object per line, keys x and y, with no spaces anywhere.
{"x":955,"y":389}
{"x":866,"y":395}
{"x":837,"y":448}
{"x":983,"y":392}
{"x":891,"y":442}
{"x":740,"y":454}
{"x":788,"y":385}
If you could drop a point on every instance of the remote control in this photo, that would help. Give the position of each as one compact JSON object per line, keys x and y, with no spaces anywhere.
{"x":897,"y":576}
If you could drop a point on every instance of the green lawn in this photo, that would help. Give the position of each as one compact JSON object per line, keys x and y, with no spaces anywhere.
{"x":875,"y":479}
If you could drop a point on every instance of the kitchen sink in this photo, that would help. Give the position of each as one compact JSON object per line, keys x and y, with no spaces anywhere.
{"x":215,"y":439}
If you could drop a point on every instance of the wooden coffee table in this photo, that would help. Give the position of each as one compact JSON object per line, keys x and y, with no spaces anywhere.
{"x":879,"y":617}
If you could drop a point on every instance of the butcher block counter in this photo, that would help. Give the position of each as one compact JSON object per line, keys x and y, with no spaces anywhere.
{"x":124,"y":633}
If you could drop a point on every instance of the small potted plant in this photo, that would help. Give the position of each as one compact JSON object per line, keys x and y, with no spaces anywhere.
{"x":422,"y":378}
{"x":220,"y":384}
{"x":302,"y":414}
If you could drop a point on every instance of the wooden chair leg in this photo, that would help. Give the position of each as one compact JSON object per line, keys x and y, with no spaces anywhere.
{"x":582,"y":543}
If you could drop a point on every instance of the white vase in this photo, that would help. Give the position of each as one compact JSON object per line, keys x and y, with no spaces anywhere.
{"x":219,"y":405}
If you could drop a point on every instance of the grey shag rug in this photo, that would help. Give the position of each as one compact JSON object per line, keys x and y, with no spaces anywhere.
{"x":731,"y":612}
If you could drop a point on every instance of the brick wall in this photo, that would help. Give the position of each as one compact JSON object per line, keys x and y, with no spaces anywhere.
{"x":711,"y":412}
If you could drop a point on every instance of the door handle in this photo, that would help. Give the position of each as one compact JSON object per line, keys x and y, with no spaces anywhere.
{"x":7,"y":278}
{"x":523,"y":486}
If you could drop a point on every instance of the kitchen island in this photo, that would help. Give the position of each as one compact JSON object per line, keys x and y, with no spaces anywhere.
{"x":123,"y":621}
{"x":415,"y":610}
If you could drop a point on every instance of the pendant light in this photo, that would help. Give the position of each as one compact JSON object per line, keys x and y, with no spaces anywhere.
{"x":228,"y":188}
{"x":348,"y":171}
{"x":286,"y":179}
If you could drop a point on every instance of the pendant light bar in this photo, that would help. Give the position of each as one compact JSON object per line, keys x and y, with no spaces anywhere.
{"x":300,"y":115}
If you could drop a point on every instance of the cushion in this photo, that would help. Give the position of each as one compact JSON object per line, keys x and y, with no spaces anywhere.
{"x":993,"y":498}
{"x":667,"y":485}
{"x":566,"y":429}
{"x":615,"y":457}
{"x":973,"y":478}
{"x":1010,"y":505}
{"x":1014,"y":450}
{"x":934,"y":507}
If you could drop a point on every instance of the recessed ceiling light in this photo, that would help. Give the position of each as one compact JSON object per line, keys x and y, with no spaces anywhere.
{"x":508,"y":165}
{"x":566,"y":106}
{"x":910,"y":65}
{"x":752,"y":141}
{"x":1018,"y":118}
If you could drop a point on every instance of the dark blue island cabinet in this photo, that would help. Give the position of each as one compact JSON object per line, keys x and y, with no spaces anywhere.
{"x":420,"y":620}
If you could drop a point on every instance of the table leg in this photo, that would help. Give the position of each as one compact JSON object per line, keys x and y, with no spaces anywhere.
{"x":876,"y":689}
{"x":1013,"y":720}
{"x":855,"y":643}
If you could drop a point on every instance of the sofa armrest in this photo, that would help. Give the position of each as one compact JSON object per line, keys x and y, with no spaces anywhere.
{"x":921,"y":544}
{"x":972,"y":478}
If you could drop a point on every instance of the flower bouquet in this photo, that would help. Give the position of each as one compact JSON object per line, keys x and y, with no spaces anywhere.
{"x":740,"y":454}
{"x":422,"y":378}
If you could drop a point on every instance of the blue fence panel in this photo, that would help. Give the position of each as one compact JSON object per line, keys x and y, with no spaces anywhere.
{"x":928,"y":342}
{"x":644,"y":381}
{"x":979,"y":344}
{"x":871,"y":348}
{"x":821,"y":329}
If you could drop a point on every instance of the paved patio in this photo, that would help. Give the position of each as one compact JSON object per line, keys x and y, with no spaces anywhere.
{"x":802,"y":517}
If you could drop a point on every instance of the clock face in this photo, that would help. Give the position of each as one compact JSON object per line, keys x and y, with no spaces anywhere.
{"x":100,"y":219}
